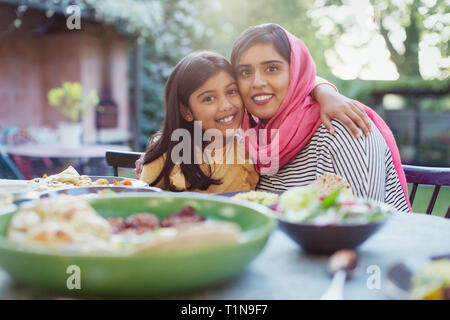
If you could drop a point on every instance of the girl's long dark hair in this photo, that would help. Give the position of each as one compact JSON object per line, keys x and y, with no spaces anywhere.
{"x":188,"y":75}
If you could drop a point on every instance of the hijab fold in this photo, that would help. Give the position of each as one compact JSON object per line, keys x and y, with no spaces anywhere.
{"x":298,"y":118}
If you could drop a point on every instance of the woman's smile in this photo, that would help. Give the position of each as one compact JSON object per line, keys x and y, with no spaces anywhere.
{"x":262,"y":98}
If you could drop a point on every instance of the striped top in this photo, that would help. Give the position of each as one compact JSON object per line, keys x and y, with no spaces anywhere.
{"x":366,"y":163}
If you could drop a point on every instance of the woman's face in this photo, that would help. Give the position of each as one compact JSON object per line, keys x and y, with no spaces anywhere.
{"x":263,"y":79}
{"x":217,"y":104}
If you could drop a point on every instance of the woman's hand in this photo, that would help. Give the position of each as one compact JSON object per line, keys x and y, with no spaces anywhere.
{"x":139,"y":165}
{"x":334,"y":105}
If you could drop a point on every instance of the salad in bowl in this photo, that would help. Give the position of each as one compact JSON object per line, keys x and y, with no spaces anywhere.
{"x":325,"y":223}
{"x":308,"y":205}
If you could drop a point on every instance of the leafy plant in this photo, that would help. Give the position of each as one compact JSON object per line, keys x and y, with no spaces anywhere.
{"x":70,"y":101}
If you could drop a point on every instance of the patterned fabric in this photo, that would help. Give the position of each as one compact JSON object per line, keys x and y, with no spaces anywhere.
{"x":366,"y":163}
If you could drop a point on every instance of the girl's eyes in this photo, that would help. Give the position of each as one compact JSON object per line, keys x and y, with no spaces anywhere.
{"x":244,"y":73}
{"x":213,"y":98}
{"x":209,"y":99}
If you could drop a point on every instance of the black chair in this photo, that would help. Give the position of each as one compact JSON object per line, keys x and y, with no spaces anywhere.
{"x":437,"y":177}
{"x":8,"y":168}
{"x":121,"y":159}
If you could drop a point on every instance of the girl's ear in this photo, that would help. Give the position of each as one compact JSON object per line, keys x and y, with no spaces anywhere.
{"x":186,"y":113}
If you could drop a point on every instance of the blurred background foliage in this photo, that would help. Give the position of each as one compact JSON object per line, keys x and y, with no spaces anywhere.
{"x":404,"y":26}
{"x":337,"y":32}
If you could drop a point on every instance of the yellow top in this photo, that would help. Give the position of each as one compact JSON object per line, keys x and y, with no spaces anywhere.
{"x":227,"y":164}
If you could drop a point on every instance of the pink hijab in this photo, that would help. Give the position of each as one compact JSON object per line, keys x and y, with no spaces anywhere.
{"x":298,"y":117}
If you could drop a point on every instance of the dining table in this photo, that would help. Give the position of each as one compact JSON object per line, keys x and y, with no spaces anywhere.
{"x":83,"y":154}
{"x":283,"y":271}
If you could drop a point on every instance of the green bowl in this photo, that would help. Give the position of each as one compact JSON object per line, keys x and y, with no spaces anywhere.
{"x":154,"y":273}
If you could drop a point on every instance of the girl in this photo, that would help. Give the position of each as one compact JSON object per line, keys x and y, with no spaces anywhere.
{"x":275,"y":73}
{"x":202,"y":93}
{"x":202,"y":88}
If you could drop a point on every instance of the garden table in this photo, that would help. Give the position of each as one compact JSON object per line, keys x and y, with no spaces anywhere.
{"x":83,"y":153}
{"x":283,"y":271}
{"x":61,"y":152}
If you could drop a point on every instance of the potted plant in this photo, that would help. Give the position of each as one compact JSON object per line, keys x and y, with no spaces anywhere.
{"x":72,"y":105}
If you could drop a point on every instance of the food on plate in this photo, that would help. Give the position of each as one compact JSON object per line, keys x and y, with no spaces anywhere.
{"x":71,"y":178}
{"x":137,"y":223}
{"x":69,"y":224}
{"x":329,"y":182}
{"x":262,"y":197}
{"x":205,"y":234}
{"x":186,"y":215}
{"x":126,"y":182}
{"x":58,"y":223}
{"x":307,"y":205}
{"x":325,"y":184}
{"x":433,"y":281}
{"x":101,"y":182}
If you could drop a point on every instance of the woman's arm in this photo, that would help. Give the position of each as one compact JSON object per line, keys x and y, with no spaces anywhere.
{"x":335,"y":106}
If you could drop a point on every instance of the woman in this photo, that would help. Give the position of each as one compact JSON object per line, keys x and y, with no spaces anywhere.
{"x":275,"y":74}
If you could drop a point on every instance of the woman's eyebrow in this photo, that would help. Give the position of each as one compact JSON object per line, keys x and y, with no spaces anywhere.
{"x":262,"y":63}
{"x":271,"y":61}
{"x":243,"y":65}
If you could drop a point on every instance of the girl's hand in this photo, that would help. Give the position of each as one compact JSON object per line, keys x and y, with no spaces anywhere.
{"x":333,"y":105}
{"x":139,"y":165}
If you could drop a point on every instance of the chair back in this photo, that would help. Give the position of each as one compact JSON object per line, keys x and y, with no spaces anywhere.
{"x":8,"y":168}
{"x":435,"y":176}
{"x":121,"y":159}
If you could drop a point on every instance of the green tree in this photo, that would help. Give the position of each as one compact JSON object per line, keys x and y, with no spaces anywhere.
{"x":404,"y":25}
{"x":228,"y":18}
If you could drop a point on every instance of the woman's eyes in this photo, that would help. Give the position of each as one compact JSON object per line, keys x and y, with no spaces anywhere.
{"x":272,"y":68}
{"x":232,"y":91}
{"x":209,"y":99}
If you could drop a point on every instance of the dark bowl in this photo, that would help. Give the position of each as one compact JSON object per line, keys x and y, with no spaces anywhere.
{"x":327,"y":239}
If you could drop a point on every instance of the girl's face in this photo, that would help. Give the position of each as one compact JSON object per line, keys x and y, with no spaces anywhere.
{"x":263,"y":79}
{"x":217,"y":104}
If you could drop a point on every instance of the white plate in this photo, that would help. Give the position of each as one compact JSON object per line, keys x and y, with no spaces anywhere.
{"x":17,"y":186}
{"x":8,"y":209}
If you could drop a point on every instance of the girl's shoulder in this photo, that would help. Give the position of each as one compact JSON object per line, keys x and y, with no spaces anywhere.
{"x":151,"y":170}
